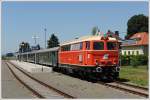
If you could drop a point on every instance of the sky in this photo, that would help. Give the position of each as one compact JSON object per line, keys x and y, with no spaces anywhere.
{"x":68,"y":20}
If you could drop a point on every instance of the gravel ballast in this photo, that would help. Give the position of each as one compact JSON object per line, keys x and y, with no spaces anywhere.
{"x":80,"y":88}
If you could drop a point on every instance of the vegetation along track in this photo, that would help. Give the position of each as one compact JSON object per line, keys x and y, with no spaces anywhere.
{"x":40,"y":82}
{"x":128,"y":88}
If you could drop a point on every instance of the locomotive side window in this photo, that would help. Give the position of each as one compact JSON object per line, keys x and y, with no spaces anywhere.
{"x":76,"y":46}
{"x":111,"y":45}
{"x":98,"y":46}
{"x":87,"y":45}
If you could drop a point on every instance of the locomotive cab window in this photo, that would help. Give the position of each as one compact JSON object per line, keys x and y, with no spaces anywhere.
{"x":98,"y":46}
{"x":111,"y":45}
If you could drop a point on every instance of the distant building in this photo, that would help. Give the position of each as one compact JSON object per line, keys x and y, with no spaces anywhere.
{"x":137,"y":46}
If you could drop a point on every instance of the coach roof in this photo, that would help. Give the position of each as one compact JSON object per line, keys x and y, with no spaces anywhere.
{"x":85,"y":38}
{"x":42,"y":50}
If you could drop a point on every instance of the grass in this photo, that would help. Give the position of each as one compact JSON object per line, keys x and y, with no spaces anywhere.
{"x":137,"y":75}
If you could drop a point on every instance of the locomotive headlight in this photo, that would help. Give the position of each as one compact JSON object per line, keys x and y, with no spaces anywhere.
{"x":117,"y":69}
{"x":105,"y":56}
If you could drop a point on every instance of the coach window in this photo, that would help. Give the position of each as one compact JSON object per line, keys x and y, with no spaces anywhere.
{"x":65,"y":48}
{"x":98,"y":46}
{"x":87,"y":45}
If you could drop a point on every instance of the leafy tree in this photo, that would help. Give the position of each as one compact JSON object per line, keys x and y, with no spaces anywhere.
{"x":24,"y":47}
{"x":95,"y":30}
{"x":137,"y":23}
{"x":53,"y":41}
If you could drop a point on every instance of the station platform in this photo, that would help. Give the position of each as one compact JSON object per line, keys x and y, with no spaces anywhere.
{"x":32,"y":68}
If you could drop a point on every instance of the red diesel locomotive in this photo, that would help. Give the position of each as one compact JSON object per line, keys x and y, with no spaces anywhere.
{"x":91,"y":55}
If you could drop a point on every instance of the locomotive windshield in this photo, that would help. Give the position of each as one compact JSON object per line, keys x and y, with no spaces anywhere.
{"x":98,"y":46}
{"x":111,"y":45}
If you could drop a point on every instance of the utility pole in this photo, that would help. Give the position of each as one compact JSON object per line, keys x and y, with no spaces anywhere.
{"x":45,"y":36}
{"x":35,"y":37}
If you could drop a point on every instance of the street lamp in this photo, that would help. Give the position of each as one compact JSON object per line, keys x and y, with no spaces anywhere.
{"x":45,"y":36}
{"x":21,"y":46}
{"x":35,"y":37}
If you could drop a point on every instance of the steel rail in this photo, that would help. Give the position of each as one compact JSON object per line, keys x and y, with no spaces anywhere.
{"x":44,"y":84}
{"x":23,"y":83}
{"x":125,"y":89}
{"x":135,"y":86}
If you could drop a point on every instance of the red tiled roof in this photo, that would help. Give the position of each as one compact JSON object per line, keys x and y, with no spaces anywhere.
{"x":143,"y":39}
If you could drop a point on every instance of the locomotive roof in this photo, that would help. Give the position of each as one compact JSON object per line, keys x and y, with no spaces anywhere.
{"x":42,"y":50}
{"x":86,"y":38}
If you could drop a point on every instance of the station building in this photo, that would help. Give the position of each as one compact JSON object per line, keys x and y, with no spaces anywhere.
{"x":137,"y":47}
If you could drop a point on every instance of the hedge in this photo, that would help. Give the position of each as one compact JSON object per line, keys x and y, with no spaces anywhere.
{"x":134,"y":60}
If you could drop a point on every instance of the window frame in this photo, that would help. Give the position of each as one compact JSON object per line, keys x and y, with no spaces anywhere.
{"x":98,"y":41}
{"x":112,"y":42}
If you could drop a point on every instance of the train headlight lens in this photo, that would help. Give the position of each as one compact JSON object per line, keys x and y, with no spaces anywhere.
{"x":98,"y":69}
{"x":117,"y":69}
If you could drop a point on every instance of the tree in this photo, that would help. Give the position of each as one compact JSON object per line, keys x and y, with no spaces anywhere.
{"x":95,"y":30}
{"x":38,"y":47}
{"x":24,"y":47}
{"x":137,"y":23}
{"x":53,"y":41}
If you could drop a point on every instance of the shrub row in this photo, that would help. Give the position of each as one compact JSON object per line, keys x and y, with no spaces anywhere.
{"x":134,"y":60}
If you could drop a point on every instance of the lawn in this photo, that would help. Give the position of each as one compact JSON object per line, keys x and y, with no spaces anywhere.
{"x":137,"y":75}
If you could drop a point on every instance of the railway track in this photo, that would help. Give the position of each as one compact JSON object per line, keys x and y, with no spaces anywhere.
{"x":40,"y":89}
{"x":118,"y":85}
{"x":128,"y":88}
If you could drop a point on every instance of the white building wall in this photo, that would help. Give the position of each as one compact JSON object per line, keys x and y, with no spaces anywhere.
{"x":132,"y":50}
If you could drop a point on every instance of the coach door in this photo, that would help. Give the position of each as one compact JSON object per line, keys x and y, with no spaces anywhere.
{"x":53,"y":58}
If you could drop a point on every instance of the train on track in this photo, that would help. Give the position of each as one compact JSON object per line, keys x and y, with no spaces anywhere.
{"x":87,"y":56}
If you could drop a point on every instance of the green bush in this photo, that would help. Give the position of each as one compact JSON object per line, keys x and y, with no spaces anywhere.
{"x":125,"y":60}
{"x":134,"y":60}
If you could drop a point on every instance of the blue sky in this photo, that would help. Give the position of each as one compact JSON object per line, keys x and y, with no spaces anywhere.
{"x":21,"y":20}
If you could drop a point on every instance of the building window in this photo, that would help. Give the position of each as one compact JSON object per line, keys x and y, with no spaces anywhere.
{"x":137,"y":52}
{"x":132,"y":52}
{"x":128,"y":52}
